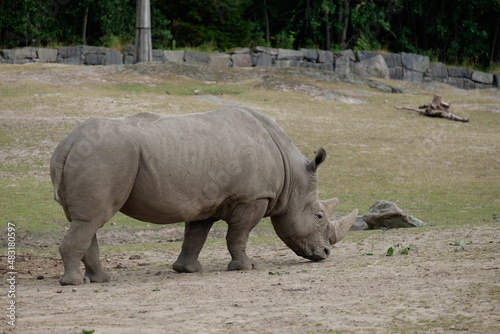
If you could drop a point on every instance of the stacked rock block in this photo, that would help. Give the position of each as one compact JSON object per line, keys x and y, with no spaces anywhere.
{"x":74,"y":55}
{"x":397,"y":66}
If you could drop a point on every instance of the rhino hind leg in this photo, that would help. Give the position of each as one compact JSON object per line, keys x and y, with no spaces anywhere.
{"x":243,"y":219}
{"x":93,"y":268}
{"x":73,"y":248}
{"x":195,"y":235}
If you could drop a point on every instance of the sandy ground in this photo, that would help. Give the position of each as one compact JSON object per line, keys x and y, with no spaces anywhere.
{"x":436,"y":288}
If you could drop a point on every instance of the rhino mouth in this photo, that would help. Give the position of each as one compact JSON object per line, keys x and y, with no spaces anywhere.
{"x":317,"y":255}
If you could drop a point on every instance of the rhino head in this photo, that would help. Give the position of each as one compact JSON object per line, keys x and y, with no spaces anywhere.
{"x":306,"y":226}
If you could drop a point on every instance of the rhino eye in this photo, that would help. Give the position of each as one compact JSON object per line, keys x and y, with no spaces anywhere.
{"x":319,"y":216}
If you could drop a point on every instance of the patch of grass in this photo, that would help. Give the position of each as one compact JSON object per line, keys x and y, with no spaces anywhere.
{"x":440,"y":171}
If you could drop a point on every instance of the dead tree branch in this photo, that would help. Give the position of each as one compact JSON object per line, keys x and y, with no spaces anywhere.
{"x":437,"y":108}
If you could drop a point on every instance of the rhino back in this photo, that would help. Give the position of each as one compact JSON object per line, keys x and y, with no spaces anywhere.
{"x":201,"y":166}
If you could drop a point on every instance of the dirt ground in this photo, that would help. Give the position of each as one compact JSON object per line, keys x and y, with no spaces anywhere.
{"x":436,"y":288}
{"x":448,"y":282}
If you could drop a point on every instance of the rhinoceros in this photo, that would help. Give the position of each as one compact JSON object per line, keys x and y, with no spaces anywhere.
{"x":232,"y":164}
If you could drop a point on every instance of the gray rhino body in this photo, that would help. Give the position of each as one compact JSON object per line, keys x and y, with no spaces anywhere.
{"x":231,"y":164}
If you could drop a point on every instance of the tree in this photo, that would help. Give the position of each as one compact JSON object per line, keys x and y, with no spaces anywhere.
{"x":143,"y":43}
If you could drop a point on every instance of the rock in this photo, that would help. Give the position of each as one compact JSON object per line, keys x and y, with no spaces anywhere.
{"x":175,"y":56}
{"x":273,"y":52}
{"x":415,"y":62}
{"x":26,"y":53}
{"x":359,"y":224}
{"x":458,"y":72}
{"x":262,"y":59}
{"x":364,"y":55}
{"x":496,"y":80}
{"x":396,"y":73}
{"x":93,"y":55}
{"x":113,"y":57}
{"x":287,"y":63}
{"x":343,"y":65}
{"x":392,"y":60}
{"x":220,"y":59}
{"x":129,"y":55}
{"x":47,"y":55}
{"x":285,"y":54}
{"x":481,"y":77}
{"x":412,"y":76}
{"x":464,"y":83}
{"x":158,"y":56}
{"x":437,"y":70}
{"x":325,"y":57}
{"x":346,"y":53}
{"x":322,"y":66}
{"x":310,"y":55}
{"x":72,"y":55}
{"x":389,"y":215}
{"x":372,"y":67}
{"x":241,"y":60}
{"x":196,"y":57}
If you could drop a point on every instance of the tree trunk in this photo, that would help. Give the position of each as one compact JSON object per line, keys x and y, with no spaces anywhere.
{"x":493,"y":45}
{"x":345,"y":24}
{"x":84,"y":26}
{"x":266,"y":18}
{"x":328,"y":40}
{"x":143,"y":43}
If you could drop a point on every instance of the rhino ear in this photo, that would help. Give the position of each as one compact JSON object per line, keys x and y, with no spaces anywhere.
{"x":318,"y":159}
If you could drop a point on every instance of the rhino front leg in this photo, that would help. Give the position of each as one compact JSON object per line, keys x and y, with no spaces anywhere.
{"x":74,"y":246}
{"x":195,"y":235}
{"x":93,"y":268}
{"x":243,"y":219}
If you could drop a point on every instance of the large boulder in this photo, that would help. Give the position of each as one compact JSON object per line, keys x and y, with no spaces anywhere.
{"x":458,"y":72}
{"x":220,"y":59}
{"x":310,"y":55}
{"x":114,"y":57}
{"x":374,"y":67}
{"x":415,"y":62}
{"x":412,"y":76}
{"x":196,"y":57}
{"x":285,"y":54}
{"x":94,"y":55}
{"x":241,"y":60}
{"x":72,"y":55}
{"x":481,"y":77}
{"x":496,"y":80}
{"x":344,"y":65}
{"x":175,"y":56}
{"x":47,"y":55}
{"x":129,"y":55}
{"x":437,"y":71}
{"x":389,"y":215}
{"x":262,"y":59}
{"x":325,"y":57}
{"x":346,"y":53}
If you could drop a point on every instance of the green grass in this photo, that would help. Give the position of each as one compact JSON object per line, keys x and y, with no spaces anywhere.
{"x":440,"y":171}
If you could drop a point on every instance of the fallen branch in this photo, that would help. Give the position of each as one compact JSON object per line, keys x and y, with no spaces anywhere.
{"x":437,"y":108}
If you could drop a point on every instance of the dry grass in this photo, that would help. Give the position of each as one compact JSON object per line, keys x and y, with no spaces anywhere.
{"x":441,"y":171}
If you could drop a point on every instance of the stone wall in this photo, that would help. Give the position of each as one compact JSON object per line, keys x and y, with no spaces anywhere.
{"x":398,"y":66}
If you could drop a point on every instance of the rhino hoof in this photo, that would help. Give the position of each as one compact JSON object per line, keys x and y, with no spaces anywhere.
{"x":73,"y":280}
{"x":187,"y":268}
{"x":238,"y":265}
{"x":98,"y":278}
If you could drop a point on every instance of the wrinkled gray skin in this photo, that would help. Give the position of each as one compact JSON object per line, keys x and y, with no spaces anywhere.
{"x":232,"y":164}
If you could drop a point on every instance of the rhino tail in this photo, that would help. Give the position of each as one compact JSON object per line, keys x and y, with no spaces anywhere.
{"x":57,"y":165}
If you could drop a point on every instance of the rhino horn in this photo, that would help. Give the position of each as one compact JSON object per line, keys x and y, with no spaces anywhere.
{"x":341,"y":227}
{"x":330,"y":205}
